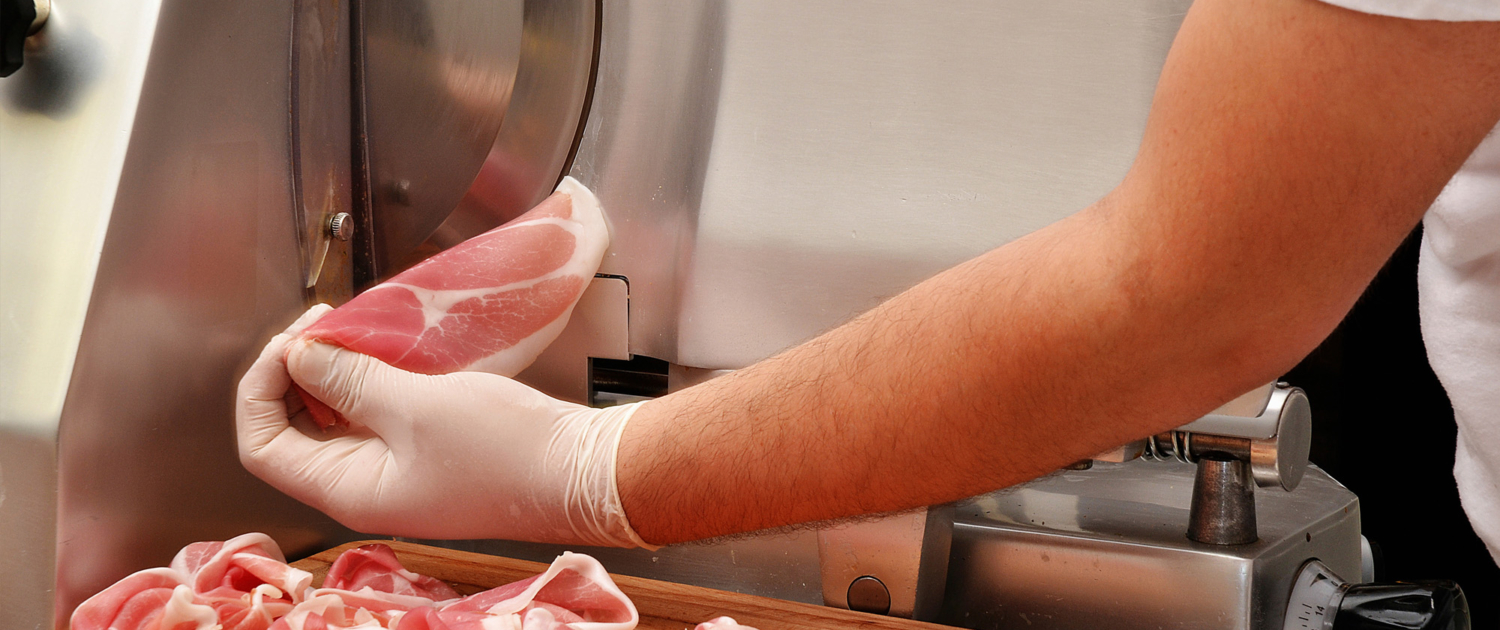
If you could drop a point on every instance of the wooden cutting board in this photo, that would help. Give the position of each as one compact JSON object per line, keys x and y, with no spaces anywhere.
{"x":663,"y":605}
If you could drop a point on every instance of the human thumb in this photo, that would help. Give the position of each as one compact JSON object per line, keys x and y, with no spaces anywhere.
{"x":349,"y":382}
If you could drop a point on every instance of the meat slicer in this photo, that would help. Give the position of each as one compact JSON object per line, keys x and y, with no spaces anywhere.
{"x":181,"y":177}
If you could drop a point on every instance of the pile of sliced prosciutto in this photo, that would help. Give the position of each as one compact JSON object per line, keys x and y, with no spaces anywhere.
{"x":245,"y":584}
{"x":489,"y":304}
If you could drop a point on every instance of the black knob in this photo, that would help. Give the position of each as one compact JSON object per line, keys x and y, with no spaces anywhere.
{"x":16,"y":20}
{"x":1427,"y":605}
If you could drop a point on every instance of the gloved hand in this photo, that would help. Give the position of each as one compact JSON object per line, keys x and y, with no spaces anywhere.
{"x":464,"y":455}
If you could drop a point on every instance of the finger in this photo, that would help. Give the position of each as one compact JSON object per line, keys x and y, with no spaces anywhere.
{"x":260,"y":410}
{"x":362,"y":388}
{"x":308,"y":318}
{"x":331,"y":475}
{"x":271,"y":362}
{"x":260,"y":405}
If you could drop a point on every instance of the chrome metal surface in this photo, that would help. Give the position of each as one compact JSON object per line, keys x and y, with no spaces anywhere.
{"x":1105,"y":548}
{"x":1249,"y":404}
{"x":546,"y":108}
{"x":153,"y":239}
{"x":438,"y":78}
{"x":1200,"y":443}
{"x":645,"y":147}
{"x":65,"y":120}
{"x":322,"y":146}
{"x":868,"y":594}
{"x":1366,"y":560}
{"x":907,"y":553}
{"x":1277,"y":460}
{"x":773,"y":167}
{"x":341,"y":226}
{"x":1223,"y":504}
{"x":1283,"y":460}
{"x":1249,"y":416}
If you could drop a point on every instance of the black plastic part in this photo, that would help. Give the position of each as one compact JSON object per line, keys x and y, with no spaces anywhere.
{"x":1427,"y":605}
{"x":16,"y":17}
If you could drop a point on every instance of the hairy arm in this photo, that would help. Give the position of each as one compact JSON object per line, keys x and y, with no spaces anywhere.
{"x":1290,"y":147}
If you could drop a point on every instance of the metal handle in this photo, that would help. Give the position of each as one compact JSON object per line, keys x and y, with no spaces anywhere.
{"x":1277,"y":456}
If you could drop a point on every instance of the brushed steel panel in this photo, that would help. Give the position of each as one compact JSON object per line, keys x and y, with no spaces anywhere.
{"x":65,"y":120}
{"x":438,"y":79}
{"x":773,"y":167}
{"x":1107,"y":547}
{"x":645,"y":150}
{"x":322,"y":145}
{"x":857,"y":152}
{"x":200,"y":265}
{"x":542,"y":119}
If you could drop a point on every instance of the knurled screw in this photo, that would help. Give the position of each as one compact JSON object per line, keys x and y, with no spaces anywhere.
{"x":341,"y":226}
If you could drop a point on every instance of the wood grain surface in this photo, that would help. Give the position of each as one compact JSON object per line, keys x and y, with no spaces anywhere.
{"x":663,"y":605}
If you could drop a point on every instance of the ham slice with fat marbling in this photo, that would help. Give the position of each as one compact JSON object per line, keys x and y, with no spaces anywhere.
{"x":490,"y":304}
{"x":376,"y":567}
{"x":240,"y":584}
{"x":243,"y":584}
{"x":574,"y":593}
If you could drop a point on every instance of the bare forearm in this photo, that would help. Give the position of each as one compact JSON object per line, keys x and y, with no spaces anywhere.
{"x":1248,"y":226}
{"x":995,"y":372}
{"x":926,"y":396}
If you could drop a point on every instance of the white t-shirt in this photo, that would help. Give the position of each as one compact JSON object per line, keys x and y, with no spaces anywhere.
{"x":1458,"y":283}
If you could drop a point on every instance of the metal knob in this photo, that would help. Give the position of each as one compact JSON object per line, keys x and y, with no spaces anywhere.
{"x":341,"y":226}
{"x":1321,"y":600}
{"x":1424,"y":605}
{"x":1275,"y":443}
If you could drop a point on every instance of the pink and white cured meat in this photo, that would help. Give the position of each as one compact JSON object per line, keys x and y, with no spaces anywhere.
{"x":574,"y":593}
{"x":243,"y":584}
{"x":240,"y":584}
{"x":490,"y":304}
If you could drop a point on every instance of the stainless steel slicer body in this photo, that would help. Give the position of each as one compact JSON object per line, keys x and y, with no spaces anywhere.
{"x":180,"y":178}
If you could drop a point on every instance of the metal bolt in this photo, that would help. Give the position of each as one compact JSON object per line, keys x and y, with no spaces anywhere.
{"x":341,"y":226}
{"x":401,"y":191}
{"x":869,"y":594}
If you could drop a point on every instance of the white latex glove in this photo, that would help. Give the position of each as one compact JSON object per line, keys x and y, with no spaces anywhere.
{"x":464,"y":455}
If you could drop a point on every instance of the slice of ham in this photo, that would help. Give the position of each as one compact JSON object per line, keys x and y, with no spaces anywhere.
{"x":239,"y":565}
{"x":371,"y":578}
{"x":722,"y":623}
{"x":240,"y":584}
{"x":140,"y":602}
{"x":489,"y":304}
{"x":575,"y":592}
{"x":376,"y":567}
{"x":245,"y":584}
